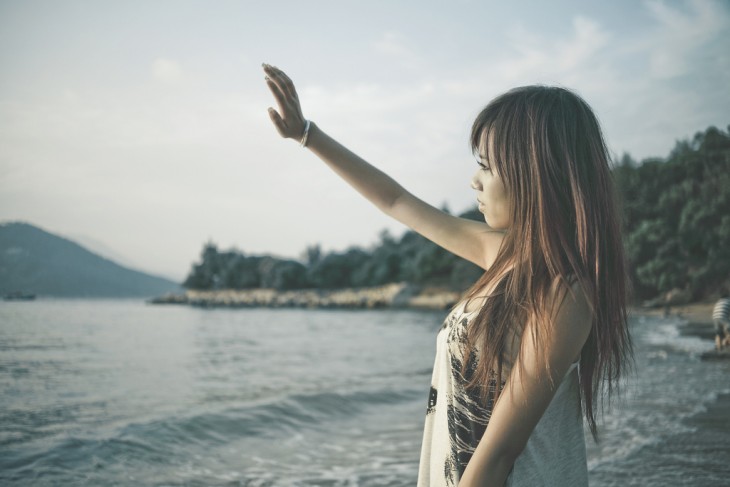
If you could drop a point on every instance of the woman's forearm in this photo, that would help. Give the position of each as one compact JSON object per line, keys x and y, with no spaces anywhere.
{"x":379,"y":188}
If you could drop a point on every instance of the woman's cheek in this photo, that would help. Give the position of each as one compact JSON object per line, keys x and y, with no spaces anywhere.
{"x":500,"y":206}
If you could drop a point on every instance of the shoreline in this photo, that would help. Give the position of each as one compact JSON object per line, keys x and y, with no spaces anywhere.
{"x":696,"y":317}
{"x":396,"y":295}
{"x":695,"y":321}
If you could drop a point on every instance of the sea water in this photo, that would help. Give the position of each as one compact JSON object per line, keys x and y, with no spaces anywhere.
{"x":118,"y":392}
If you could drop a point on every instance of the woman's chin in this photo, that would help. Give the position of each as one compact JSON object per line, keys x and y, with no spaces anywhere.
{"x":495,"y":226}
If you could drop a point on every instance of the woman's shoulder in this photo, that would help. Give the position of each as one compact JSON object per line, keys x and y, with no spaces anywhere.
{"x":569,"y":289}
{"x":570,"y":305}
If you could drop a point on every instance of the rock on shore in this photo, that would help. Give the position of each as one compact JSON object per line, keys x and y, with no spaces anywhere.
{"x":397,"y":295}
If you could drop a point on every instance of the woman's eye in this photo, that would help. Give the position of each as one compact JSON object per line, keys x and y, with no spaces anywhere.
{"x":483,"y":166}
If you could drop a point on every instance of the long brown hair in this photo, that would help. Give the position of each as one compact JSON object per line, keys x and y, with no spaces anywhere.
{"x":546,"y":145}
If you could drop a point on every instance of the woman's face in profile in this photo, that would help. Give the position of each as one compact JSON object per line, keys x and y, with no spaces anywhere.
{"x":492,"y":195}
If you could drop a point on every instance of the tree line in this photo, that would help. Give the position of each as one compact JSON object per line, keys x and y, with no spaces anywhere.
{"x":410,"y":258}
{"x":676,"y":219}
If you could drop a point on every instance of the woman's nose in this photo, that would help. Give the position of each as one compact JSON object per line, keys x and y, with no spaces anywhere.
{"x":475,"y":184}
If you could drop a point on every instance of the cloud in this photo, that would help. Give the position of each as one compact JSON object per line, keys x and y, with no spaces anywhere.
{"x":649,"y":86}
{"x":679,"y":35}
{"x":392,"y":44}
{"x":192,"y":147}
{"x":396,"y":48}
{"x":588,"y":41}
{"x":166,"y":71}
{"x":538,"y":56}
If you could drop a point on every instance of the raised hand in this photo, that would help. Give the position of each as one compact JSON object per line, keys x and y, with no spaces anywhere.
{"x":465,"y":238}
{"x":289,"y":121}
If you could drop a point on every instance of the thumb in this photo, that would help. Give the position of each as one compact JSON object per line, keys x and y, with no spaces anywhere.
{"x":278,"y":122}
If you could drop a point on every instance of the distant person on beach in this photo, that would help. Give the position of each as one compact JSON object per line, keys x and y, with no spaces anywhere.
{"x":543,"y":333}
{"x":721,"y":318}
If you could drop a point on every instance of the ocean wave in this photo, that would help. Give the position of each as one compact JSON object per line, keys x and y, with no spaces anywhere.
{"x":159,"y":441}
{"x":661,"y":400}
{"x":288,"y":413}
{"x":23,"y":423}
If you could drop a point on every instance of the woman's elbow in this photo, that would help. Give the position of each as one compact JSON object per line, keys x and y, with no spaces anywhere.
{"x":509,"y":452}
{"x":492,"y":469}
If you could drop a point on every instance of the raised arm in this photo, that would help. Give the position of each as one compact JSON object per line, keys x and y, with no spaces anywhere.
{"x":471,"y":240}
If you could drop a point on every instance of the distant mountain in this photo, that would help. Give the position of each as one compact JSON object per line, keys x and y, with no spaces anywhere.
{"x":35,"y":261}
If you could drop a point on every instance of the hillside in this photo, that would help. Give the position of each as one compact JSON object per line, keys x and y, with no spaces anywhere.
{"x":35,"y":261}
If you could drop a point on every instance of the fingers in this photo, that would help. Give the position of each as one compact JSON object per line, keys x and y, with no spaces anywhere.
{"x":275,"y":75}
{"x":288,"y":84}
{"x":289,"y":120}
{"x":279,"y":96}
{"x":283,"y":81}
{"x":287,"y":112}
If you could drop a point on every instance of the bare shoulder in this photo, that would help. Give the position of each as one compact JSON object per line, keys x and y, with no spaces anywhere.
{"x":569,"y":292}
{"x":571,"y":319}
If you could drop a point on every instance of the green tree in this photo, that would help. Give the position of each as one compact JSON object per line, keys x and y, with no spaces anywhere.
{"x":677,"y":217}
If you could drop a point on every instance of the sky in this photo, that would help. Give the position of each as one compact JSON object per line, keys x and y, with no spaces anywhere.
{"x":140,"y":128}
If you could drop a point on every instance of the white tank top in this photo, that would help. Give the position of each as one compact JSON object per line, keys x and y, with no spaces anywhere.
{"x":555,"y":454}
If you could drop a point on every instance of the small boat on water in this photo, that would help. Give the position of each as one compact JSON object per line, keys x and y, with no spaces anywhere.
{"x":19,"y":296}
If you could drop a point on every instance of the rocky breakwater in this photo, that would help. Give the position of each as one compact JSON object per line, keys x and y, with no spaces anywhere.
{"x":397,"y":295}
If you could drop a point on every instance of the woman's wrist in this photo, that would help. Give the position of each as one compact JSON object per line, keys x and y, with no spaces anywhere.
{"x":311,"y":135}
{"x":305,"y":136}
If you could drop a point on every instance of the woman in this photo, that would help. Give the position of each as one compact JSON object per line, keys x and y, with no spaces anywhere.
{"x":544,"y":331}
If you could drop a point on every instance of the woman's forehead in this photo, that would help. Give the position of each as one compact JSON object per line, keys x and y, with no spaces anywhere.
{"x":486,"y":141}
